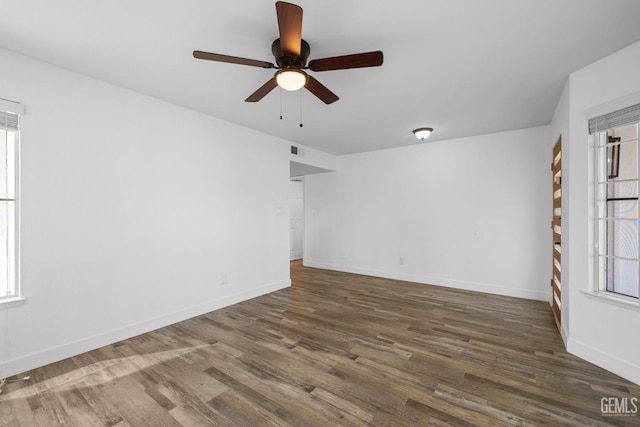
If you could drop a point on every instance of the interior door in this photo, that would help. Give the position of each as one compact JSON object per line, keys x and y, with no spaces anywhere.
{"x":556,"y":225}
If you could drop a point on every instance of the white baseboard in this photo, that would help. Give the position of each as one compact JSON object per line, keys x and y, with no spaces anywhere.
{"x":564,"y":333}
{"x":438,"y":281}
{"x":607,"y":361}
{"x":63,"y":351}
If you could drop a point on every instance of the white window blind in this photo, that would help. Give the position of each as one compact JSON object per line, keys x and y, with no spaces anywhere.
{"x":9,"y":121}
{"x":615,"y":119}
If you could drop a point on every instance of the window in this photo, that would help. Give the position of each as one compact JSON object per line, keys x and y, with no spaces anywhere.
{"x":9,"y":137}
{"x":616,"y":202}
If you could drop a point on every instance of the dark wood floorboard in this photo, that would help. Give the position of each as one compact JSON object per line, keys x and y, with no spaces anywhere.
{"x":334,"y":349}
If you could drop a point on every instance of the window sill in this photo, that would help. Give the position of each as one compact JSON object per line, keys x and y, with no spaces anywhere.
{"x":626,"y":302}
{"x":12,"y":302}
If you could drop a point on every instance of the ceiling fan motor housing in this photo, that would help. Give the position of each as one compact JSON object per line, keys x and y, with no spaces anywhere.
{"x":285,"y":61}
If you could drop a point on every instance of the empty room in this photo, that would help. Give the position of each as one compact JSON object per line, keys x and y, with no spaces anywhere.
{"x":348,"y":213}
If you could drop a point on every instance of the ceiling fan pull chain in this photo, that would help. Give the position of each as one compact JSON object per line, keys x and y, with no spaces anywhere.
{"x":300,"y":108}
{"x":280,"y":103}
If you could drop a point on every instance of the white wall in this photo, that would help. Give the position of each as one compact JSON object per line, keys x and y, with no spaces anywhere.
{"x":309,"y":161}
{"x":469,"y":213}
{"x":132,"y":211}
{"x":601,"y":332}
{"x":312,"y":157}
{"x":560,"y":128}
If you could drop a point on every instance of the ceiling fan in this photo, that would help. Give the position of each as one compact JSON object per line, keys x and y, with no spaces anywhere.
{"x":291,"y":53}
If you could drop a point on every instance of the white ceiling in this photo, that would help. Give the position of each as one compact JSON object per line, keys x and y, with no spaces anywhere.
{"x":464,"y":67}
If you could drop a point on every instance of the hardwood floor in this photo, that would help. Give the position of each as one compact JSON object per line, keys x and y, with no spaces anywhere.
{"x":334,"y":349}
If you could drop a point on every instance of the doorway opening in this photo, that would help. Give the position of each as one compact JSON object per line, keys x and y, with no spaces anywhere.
{"x":296,"y":230}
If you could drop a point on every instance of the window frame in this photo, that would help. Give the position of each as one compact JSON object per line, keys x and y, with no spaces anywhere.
{"x":16,"y":298}
{"x":601,"y":182}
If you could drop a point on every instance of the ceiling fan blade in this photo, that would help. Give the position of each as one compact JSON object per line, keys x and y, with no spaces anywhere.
{"x":231,"y":59}
{"x":262,"y":91}
{"x":290,"y":27}
{"x":357,"y":60}
{"x":320,"y":90}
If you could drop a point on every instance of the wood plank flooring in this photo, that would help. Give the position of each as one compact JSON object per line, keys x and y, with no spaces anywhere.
{"x":334,"y":349}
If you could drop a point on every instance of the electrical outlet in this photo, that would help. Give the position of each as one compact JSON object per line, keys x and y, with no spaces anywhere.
{"x":401,"y":260}
{"x":224,"y":279}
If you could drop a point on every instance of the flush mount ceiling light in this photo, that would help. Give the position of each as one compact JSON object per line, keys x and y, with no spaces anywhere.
{"x":422,"y":133}
{"x":291,"y":79}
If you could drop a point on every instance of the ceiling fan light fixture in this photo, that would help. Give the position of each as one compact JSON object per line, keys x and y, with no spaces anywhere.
{"x":291,"y":52}
{"x":422,"y":133}
{"x":291,"y":79}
